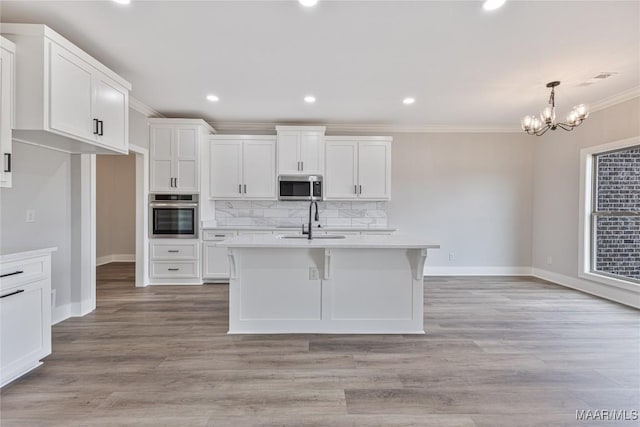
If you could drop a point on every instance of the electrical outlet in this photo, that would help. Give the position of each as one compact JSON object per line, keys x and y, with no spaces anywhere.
{"x":31,"y":215}
{"x":549,"y":259}
{"x":314,"y":274}
{"x":452,"y":256}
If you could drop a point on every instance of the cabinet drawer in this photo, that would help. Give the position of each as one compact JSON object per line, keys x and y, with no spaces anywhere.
{"x":217,"y":236}
{"x":24,"y":271}
{"x":179,"y":269}
{"x":174,"y":250}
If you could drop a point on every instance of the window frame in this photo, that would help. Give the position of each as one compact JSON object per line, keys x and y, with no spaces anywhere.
{"x":587,"y":223}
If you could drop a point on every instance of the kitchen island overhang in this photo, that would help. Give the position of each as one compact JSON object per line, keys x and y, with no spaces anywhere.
{"x":355,"y":285}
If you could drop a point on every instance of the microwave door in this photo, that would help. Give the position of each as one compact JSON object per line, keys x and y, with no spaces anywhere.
{"x":295,"y":190}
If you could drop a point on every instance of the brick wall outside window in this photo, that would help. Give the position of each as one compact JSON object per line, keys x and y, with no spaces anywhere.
{"x":618,"y":237}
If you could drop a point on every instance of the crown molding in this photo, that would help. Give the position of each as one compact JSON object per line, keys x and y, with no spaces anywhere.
{"x":618,"y":98}
{"x":270,"y":128}
{"x":143,"y":108}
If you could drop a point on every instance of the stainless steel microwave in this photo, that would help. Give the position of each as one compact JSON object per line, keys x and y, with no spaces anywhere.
{"x":300,"y":187}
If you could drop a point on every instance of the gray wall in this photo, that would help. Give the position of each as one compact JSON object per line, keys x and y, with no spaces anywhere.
{"x":41,"y":181}
{"x":557,"y":180}
{"x":471,"y":193}
{"x":138,"y":129}
{"x":115,"y":206}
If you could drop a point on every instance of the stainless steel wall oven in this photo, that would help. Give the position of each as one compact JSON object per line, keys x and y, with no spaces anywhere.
{"x":173,"y":216}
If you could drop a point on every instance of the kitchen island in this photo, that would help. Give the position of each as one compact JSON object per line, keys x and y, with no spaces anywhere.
{"x":352,"y":284}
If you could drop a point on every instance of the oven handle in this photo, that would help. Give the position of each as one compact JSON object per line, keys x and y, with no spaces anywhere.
{"x":173,"y":205}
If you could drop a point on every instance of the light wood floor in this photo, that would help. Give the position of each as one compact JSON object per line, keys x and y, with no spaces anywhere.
{"x":498,"y":352}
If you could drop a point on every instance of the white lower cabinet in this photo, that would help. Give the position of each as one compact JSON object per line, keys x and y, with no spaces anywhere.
{"x":174,"y":261}
{"x":25,"y":313}
{"x":215,"y":259}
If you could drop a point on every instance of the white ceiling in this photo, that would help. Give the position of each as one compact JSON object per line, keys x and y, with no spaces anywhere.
{"x":464,"y":66}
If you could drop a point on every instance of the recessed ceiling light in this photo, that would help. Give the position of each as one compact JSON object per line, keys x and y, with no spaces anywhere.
{"x":122,"y":1}
{"x":213,"y":98}
{"x":492,"y":4}
{"x":408,"y":101}
{"x":309,"y":99}
{"x":308,"y":3}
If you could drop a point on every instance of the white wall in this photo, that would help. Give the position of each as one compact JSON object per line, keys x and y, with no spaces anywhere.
{"x":556,"y":192}
{"x":41,"y":181}
{"x":115,"y":208}
{"x":471,"y":193}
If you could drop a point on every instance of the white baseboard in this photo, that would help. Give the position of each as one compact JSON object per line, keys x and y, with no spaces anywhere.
{"x":477,"y":271}
{"x":622,"y":296}
{"x":102,"y":260}
{"x":60,"y":313}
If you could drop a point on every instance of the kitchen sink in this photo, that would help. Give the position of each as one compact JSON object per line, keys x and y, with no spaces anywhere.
{"x":326,"y":236}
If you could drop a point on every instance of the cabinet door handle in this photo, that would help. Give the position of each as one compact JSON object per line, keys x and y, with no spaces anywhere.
{"x":7,"y":162}
{"x":245,"y":189}
{"x":360,"y":189}
{"x":240,"y":188}
{"x":355,"y":189}
{"x":176,"y":181}
{"x":173,"y":251}
{"x":173,"y":269}
{"x":219,"y":235}
{"x":101,"y":123}
{"x":302,"y":166}
{"x":95,"y":126}
{"x":12,"y":274}
{"x":13,"y":293}
{"x":171,"y":182}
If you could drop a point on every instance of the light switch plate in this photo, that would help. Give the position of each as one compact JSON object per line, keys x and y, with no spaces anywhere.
{"x":31,"y":215}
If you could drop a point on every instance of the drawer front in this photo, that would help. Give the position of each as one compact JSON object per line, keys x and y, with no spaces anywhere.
{"x":183,"y":269}
{"x":217,"y":236}
{"x":24,"y":271}
{"x":174,"y":251}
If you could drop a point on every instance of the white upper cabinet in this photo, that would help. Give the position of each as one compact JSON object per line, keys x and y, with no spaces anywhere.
{"x":341,"y":177}
{"x":300,"y":150}
{"x":358,"y":168}
{"x":174,"y":146}
{"x":65,"y":98}
{"x":7,"y":88}
{"x":242,"y":167}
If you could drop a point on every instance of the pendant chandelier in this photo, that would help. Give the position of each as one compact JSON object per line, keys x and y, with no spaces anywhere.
{"x":539,"y":126}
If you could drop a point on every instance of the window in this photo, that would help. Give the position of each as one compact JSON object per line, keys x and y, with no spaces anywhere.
{"x":614,"y":214}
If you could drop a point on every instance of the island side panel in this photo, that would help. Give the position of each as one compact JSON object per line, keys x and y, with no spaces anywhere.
{"x":367,"y":291}
{"x":374,"y":291}
{"x":275,"y":290}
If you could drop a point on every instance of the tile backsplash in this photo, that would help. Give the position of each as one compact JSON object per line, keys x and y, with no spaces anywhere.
{"x":292,"y":214}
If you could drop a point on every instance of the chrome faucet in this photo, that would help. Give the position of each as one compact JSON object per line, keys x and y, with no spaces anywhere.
{"x":316,"y":217}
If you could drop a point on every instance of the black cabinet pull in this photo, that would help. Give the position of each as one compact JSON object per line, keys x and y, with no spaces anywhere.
{"x":173,"y":269}
{"x":245,"y":189}
{"x":11,"y":274}
{"x":176,"y":182}
{"x":240,"y":188}
{"x":173,"y":251}
{"x":101,"y":123}
{"x":12,"y":293}
{"x":95,"y":126}
{"x":7,"y":162}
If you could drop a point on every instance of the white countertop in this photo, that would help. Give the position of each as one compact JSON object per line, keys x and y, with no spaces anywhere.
{"x":350,"y":242}
{"x":16,"y":253}
{"x":208,"y":226}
